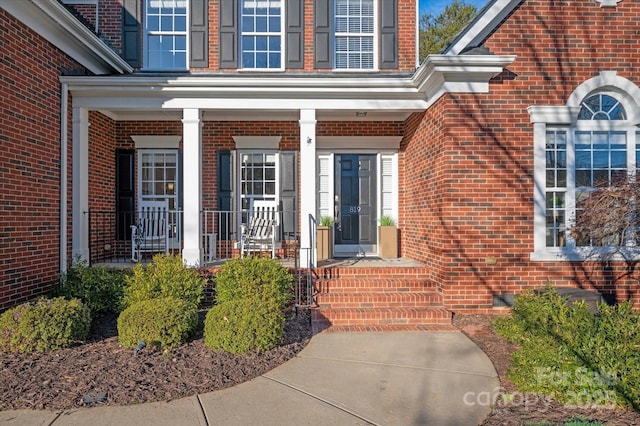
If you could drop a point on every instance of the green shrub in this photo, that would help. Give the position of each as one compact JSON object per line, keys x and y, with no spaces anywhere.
{"x":260,"y":279}
{"x":100,"y":289}
{"x":163,"y":323}
{"x":166,"y":276}
{"x":44,"y":325}
{"x":242,"y":326}
{"x":572,"y":355}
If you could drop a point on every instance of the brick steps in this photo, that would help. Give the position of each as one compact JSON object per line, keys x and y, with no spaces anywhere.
{"x":373,"y":285}
{"x":378,"y":299}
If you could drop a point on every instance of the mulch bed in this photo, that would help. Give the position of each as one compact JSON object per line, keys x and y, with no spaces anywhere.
{"x":100,"y":372}
{"x":528,"y":409}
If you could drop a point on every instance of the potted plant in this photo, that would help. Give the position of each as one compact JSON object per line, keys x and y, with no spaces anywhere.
{"x":388,"y":235}
{"x":324,"y":238}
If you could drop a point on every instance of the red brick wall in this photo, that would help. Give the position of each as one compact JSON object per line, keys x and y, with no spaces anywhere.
{"x":471,"y":156}
{"x":110,"y":20}
{"x":30,"y":162}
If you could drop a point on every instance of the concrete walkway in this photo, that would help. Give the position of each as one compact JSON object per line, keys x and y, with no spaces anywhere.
{"x":403,"y":378}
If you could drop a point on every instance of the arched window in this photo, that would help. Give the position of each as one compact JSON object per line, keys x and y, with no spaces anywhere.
{"x":601,"y":107}
{"x":590,"y":142}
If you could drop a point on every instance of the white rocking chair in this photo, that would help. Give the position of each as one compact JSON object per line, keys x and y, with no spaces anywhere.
{"x":260,"y":233}
{"x":150,"y":234}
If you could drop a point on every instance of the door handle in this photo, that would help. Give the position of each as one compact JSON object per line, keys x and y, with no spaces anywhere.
{"x":336,"y":210}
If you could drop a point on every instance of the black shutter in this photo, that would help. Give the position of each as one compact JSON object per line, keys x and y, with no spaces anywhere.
{"x":198,"y":36}
{"x":226,"y":196}
{"x":322,"y":28}
{"x":229,"y":33}
{"x":388,"y":33}
{"x":125,"y":193}
{"x":131,"y":18}
{"x":289,"y":192}
{"x":295,"y":34}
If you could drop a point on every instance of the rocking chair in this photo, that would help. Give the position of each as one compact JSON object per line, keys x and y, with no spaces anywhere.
{"x":260,"y":233}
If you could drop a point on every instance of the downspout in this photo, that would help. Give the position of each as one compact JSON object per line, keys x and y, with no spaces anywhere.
{"x":64,"y":111}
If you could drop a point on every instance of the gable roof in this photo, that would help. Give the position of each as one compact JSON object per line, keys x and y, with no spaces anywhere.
{"x":60,"y":27}
{"x":485,"y":22}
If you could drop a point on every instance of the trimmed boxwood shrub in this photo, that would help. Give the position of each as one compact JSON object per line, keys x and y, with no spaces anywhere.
{"x":44,"y":325}
{"x":166,"y":276}
{"x":261,"y":279}
{"x":244,"y":325}
{"x":100,"y":289}
{"x":163,"y":323}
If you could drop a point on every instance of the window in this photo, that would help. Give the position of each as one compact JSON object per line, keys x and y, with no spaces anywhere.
{"x":354,"y":34}
{"x":166,"y":34}
{"x":158,"y":180}
{"x":258,"y":179}
{"x":589,"y":143}
{"x":262,"y":34}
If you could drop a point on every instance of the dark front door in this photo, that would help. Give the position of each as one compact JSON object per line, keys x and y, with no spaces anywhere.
{"x":356,"y":202}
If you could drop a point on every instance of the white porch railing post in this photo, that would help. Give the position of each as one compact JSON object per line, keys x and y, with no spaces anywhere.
{"x":192,"y":175}
{"x":80,"y":185}
{"x":307,"y":179}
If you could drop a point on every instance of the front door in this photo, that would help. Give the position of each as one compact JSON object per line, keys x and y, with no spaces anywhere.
{"x":355,"y":203}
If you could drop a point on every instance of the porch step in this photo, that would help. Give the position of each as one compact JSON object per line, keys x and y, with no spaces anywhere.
{"x":374,"y":285}
{"x":378,"y":299}
{"x":392,"y":316}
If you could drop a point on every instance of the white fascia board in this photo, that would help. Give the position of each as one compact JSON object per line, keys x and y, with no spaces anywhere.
{"x":295,"y":104}
{"x":57,"y":25}
{"x":560,"y":114}
{"x":441,"y":74}
{"x":484,"y":25}
{"x":256,"y":104}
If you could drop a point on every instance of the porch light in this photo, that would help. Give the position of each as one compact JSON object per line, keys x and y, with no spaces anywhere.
{"x":308,"y":140}
{"x":170,"y":187}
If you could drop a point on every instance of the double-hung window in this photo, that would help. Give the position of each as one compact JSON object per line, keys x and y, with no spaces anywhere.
{"x":262,"y":38}
{"x":354,"y":37}
{"x":258,"y":179}
{"x":598,"y":148}
{"x":166,"y":35}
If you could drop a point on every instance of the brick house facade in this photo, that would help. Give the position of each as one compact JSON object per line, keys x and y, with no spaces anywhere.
{"x":456,"y":145}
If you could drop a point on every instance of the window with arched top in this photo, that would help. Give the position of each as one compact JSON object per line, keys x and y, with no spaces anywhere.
{"x":598,"y":147}
{"x":601,"y":107}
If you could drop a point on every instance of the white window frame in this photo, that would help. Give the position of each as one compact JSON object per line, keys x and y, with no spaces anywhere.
{"x":240,"y":193}
{"x":546,"y":118}
{"x":173,"y":210}
{"x":374,"y":36}
{"x":173,"y":34}
{"x":267,"y":34}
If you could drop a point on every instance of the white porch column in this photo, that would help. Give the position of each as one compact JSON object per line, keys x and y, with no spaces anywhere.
{"x":307,"y":182}
{"x":80,"y":185}
{"x":192,"y":184}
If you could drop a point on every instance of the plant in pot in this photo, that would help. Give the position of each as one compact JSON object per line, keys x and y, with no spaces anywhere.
{"x":388,"y":234}
{"x":324,"y":238}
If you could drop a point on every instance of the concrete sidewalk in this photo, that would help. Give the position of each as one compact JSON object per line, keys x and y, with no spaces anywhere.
{"x":391,"y":378}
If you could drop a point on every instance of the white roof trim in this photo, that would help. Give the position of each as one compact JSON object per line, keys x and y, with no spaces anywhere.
{"x":484,"y":24}
{"x":53,"y":22}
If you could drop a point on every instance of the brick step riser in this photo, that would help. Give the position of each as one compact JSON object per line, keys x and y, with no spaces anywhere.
{"x":374,"y":316}
{"x":378,"y":300}
{"x":383,"y":273}
{"x":369,"y":285}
